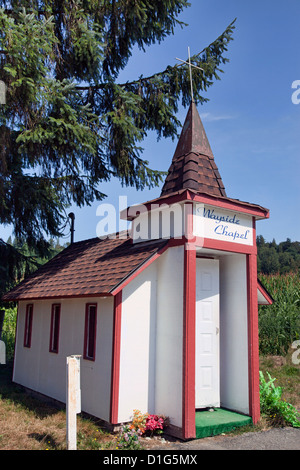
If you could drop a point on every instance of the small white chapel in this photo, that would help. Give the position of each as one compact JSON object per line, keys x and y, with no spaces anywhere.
{"x":164,"y":316}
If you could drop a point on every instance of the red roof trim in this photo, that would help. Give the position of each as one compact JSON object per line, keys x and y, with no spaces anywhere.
{"x":116,"y":359}
{"x":80,"y":296}
{"x":188,"y":195}
{"x":141,"y":268}
{"x":264,"y":292}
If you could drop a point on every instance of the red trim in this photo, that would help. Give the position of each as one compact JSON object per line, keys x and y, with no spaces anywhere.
{"x":116,"y":351}
{"x":225,"y":246}
{"x":253,"y":346}
{"x":189,"y":343}
{"x":86,"y":331}
{"x":254,"y":230}
{"x":52,"y":348}
{"x":28,"y":326}
{"x":133,"y":275}
{"x":238,"y":206}
{"x":16,"y":336}
{"x":263,"y":291}
{"x":187,"y":195}
{"x":56,"y":297}
{"x":177,"y":242}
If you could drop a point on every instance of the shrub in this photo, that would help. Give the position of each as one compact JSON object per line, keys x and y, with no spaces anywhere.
{"x":278,"y":411}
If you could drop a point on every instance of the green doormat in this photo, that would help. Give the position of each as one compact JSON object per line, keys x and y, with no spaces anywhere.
{"x":211,"y":423}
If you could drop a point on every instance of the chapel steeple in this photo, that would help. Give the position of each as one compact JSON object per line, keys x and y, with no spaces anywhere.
{"x":193,"y":166}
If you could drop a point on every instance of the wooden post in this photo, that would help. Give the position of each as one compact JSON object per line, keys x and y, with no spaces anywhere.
{"x":2,"y":314}
{"x":73,"y":399}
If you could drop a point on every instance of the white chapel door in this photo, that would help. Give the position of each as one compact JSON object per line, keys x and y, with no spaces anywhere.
{"x":207,"y":333}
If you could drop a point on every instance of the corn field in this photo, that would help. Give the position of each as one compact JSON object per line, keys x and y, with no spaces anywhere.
{"x":279,"y":324}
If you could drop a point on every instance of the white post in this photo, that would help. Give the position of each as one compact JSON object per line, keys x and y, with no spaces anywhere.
{"x":2,"y":315}
{"x":73,"y":399}
{"x":2,"y":352}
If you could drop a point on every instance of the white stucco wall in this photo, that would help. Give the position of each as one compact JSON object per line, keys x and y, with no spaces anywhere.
{"x":234,"y":333}
{"x":45,"y":372}
{"x":151,"y":340}
{"x":168,"y":392}
{"x":137,"y":357}
{"x":164,"y":221}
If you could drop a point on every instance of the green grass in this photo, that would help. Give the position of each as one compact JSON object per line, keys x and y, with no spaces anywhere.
{"x":287,"y":376}
{"x":28,"y":423}
{"x":277,"y":410}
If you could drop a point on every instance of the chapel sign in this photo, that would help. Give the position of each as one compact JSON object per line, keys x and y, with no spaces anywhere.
{"x":218,"y":224}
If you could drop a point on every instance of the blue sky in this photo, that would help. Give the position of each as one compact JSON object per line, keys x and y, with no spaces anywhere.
{"x":251,"y":122}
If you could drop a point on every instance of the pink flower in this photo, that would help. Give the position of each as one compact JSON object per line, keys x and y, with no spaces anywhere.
{"x":153,"y":423}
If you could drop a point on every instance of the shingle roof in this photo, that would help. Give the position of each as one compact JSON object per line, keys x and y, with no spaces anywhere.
{"x":86,"y":268}
{"x":193,"y":165}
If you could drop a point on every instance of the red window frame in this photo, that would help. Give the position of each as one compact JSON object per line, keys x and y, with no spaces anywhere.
{"x":28,"y":326}
{"x":54,"y":328}
{"x":90,"y":329}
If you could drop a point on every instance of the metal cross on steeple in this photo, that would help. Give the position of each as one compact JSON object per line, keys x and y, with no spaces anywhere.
{"x":190,"y":67}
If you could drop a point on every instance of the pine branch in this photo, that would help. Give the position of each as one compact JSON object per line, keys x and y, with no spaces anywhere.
{"x":17,"y":253}
{"x":195,"y":58}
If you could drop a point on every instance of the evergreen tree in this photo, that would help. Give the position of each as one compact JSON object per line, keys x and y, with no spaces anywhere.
{"x":260,"y":241}
{"x":68,"y":123}
{"x":277,"y":258}
{"x":17,"y":261}
{"x":269,"y":262}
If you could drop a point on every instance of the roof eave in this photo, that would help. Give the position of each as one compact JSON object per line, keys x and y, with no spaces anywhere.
{"x":266,"y":295}
{"x":188,"y":195}
{"x":16,"y":298}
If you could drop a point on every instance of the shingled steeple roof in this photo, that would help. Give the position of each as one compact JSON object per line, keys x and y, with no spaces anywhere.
{"x":193,"y":166}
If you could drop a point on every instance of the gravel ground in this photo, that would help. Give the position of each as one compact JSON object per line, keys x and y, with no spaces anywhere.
{"x":273,"y":439}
